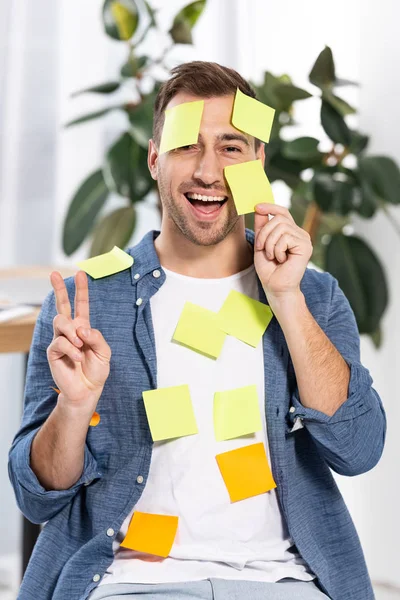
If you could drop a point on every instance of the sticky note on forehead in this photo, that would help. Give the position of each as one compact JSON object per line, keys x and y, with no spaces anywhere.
{"x":107,"y":264}
{"x":181,"y":125}
{"x":249,"y":185}
{"x":252,"y":117}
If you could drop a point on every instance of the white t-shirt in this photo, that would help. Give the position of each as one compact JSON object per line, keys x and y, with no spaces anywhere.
{"x":247,"y":539}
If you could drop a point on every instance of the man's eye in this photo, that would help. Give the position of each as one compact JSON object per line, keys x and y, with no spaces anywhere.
{"x":232,"y":149}
{"x":187,"y":147}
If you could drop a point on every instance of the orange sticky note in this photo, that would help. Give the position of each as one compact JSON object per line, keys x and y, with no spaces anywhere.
{"x":95,"y":420}
{"x":246,"y":471}
{"x":151,"y":533}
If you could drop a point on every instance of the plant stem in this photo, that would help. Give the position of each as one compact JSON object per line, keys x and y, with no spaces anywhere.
{"x":312,"y":220}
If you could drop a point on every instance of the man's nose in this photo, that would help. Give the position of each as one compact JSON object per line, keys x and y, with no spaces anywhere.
{"x":207,"y":168}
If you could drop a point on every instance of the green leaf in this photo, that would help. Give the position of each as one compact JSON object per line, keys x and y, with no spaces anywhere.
{"x":361,"y":277}
{"x":359,"y":142}
{"x":369,"y":201}
{"x":288,"y":93}
{"x":115,"y":229}
{"x":92,"y":116}
{"x":103,"y":88}
{"x":339,"y":82}
{"x":334,"y":194}
{"x":339,"y":104}
{"x":133,"y":66}
{"x":120,"y":18}
{"x":323,"y":72}
{"x":181,"y":30}
{"x":83,"y":210}
{"x":126,"y":169}
{"x":376,"y":337}
{"x":141,"y":120}
{"x":334,"y":125}
{"x":303,"y":148}
{"x":383,"y":176}
{"x":281,"y":168}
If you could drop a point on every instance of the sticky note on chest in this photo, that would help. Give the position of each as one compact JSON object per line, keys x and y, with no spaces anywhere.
{"x":246,"y":472}
{"x":252,"y":116}
{"x":249,"y":185}
{"x":107,"y":264}
{"x":170,"y":412}
{"x":198,"y":329}
{"x":151,"y":533}
{"x":244,"y":318}
{"x":236,"y":413}
{"x":181,"y":125}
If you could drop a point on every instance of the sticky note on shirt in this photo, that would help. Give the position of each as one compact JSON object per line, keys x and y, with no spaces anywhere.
{"x":107,"y":264}
{"x":151,"y":533}
{"x":170,"y":412}
{"x":249,"y":185}
{"x":198,"y":329}
{"x":236,"y":413}
{"x":246,"y":472}
{"x":244,"y":318}
{"x":181,"y":125}
{"x":252,"y":116}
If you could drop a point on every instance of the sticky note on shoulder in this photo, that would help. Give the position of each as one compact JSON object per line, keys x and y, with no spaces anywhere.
{"x":151,"y":533}
{"x":181,"y":125}
{"x":249,"y":185}
{"x":236,"y":413}
{"x":244,"y":318}
{"x":170,"y":412}
{"x":198,"y":329}
{"x":252,"y":116}
{"x":107,"y":264}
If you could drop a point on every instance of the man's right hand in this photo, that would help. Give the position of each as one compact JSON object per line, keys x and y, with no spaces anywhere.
{"x":79,"y":357}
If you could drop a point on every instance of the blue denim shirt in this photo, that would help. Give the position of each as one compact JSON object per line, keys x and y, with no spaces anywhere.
{"x":74,"y":548}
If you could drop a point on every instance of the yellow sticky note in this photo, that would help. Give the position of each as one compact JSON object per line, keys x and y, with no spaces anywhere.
{"x":252,"y":116}
{"x":181,"y":125}
{"x":236,"y":413}
{"x":107,"y":264}
{"x":198,"y":329}
{"x":246,"y":472}
{"x":170,"y":412}
{"x":244,"y":318}
{"x":249,"y":185}
{"x":151,"y":533}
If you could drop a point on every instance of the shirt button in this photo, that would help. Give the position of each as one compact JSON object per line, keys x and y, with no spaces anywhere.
{"x":139,"y":479}
{"x":292,"y":409}
{"x":139,"y":301}
{"x":96,"y":578}
{"x":136,"y":276}
{"x":156,"y":273}
{"x":110,"y":532}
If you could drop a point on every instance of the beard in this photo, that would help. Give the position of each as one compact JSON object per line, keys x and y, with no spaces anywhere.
{"x":201,"y":233}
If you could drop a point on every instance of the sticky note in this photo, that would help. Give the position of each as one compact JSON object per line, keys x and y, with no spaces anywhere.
{"x":107,"y":264}
{"x":181,"y":125}
{"x":244,"y":318}
{"x":170,"y":412}
{"x":252,"y":116}
{"x":95,"y":420}
{"x":151,"y":533}
{"x":236,"y":413}
{"x":249,"y":185}
{"x":198,"y":329}
{"x":246,"y":471}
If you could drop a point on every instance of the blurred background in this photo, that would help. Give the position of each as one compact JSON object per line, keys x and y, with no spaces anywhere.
{"x":73,"y":178}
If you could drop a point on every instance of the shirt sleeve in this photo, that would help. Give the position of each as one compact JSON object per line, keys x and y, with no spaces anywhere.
{"x":353,"y":438}
{"x":35,"y":502}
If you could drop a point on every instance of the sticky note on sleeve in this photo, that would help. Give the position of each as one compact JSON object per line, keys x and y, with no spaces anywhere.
{"x":236,"y":413}
{"x":198,"y":329}
{"x":244,"y":318}
{"x":252,"y":116}
{"x":107,"y":264}
{"x":170,"y":412}
{"x":151,"y":533}
{"x":249,"y":185}
{"x":181,"y":125}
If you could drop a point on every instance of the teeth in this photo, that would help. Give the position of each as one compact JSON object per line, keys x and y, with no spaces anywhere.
{"x":206,"y":198}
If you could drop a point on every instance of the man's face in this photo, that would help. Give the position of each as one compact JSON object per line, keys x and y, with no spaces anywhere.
{"x":194,"y":193}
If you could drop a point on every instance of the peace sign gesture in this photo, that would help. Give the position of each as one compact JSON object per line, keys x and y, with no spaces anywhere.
{"x":79,"y":357}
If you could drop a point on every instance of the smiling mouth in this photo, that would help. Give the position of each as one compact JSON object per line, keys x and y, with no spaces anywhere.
{"x":206,"y":205}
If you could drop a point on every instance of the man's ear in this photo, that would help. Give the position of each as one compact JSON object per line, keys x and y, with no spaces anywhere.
{"x":261,"y":153}
{"x":152,"y":157}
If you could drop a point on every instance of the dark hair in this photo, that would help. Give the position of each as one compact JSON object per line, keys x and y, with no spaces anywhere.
{"x":202,"y":79}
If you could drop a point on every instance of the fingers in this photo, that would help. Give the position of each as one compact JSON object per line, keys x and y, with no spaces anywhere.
{"x":81,"y":307}
{"x":272,"y":229}
{"x":95,"y":340}
{"x":60,"y":347}
{"x":63,"y":305}
{"x":62,"y":326}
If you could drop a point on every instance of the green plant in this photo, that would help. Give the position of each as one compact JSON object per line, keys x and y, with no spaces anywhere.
{"x":322,"y":203}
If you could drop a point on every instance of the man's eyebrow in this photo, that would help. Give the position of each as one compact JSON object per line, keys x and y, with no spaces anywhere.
{"x":230,"y":137}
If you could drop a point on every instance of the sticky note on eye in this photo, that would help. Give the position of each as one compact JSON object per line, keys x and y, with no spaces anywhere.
{"x":249,"y":185}
{"x":252,"y":116}
{"x":107,"y":264}
{"x":246,"y":472}
{"x":170,"y":412}
{"x":181,"y":125}
{"x":151,"y":533}
{"x":244,"y":318}
{"x":236,"y":413}
{"x":198,"y":329}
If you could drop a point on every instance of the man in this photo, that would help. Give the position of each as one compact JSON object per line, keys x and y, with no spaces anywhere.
{"x":318,"y":408}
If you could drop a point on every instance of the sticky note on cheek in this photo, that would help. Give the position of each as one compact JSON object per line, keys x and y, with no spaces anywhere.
{"x":198,"y":329}
{"x":181,"y":125}
{"x":249,"y":185}
{"x":151,"y":533}
{"x":107,"y":264}
{"x":244,"y":318}
{"x":252,"y":117}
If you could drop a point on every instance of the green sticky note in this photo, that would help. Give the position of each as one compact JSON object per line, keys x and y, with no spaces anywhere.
{"x":244,"y":318}
{"x":236,"y":413}
{"x":252,"y":117}
{"x":170,"y":412}
{"x":107,"y":264}
{"x":249,"y":185}
{"x":198,"y":329}
{"x":181,"y":125}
